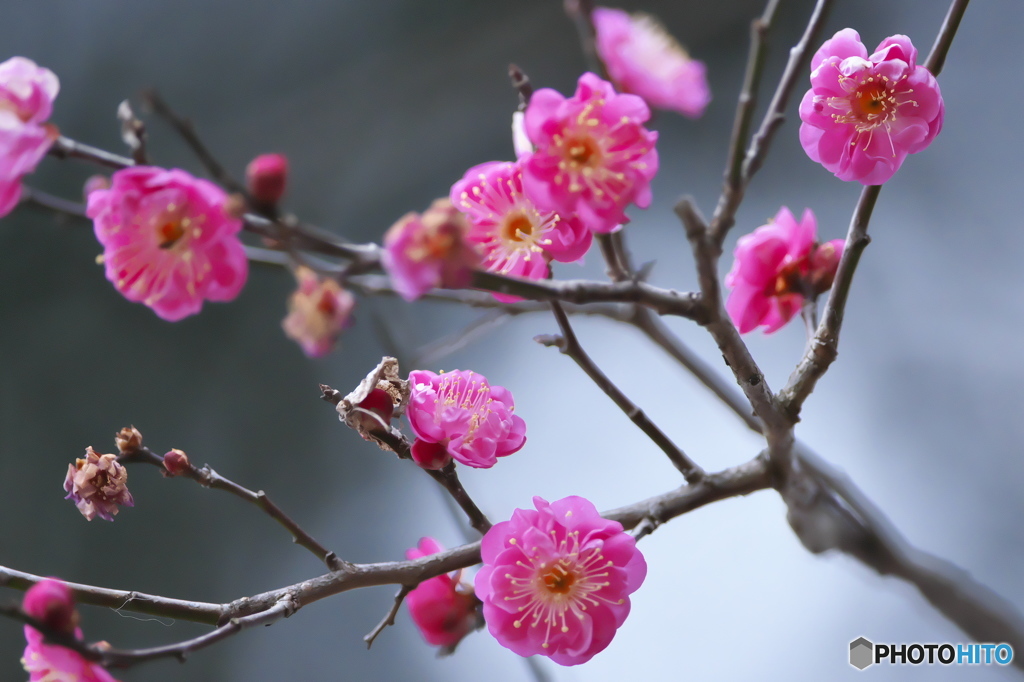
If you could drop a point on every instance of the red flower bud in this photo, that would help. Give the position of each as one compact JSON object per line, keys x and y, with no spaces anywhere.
{"x":176,"y":462}
{"x":266,"y":177}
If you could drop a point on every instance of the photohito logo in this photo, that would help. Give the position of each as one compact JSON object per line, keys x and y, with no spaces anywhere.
{"x":864,"y":653}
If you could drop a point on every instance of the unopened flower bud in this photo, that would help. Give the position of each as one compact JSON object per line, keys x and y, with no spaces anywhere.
{"x":824,"y":262}
{"x":378,"y":402}
{"x":176,"y":462}
{"x":128,"y":440}
{"x":97,"y":484}
{"x":266,"y":177}
{"x":430,"y":455}
{"x":52,"y":603}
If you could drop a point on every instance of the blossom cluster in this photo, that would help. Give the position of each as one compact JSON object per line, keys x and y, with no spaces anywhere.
{"x":27,"y":92}
{"x":581,"y":161}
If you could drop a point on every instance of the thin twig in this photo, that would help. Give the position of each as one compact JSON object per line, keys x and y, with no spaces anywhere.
{"x":208,"y":478}
{"x":66,"y":148}
{"x":122,"y":658}
{"x":663,"y":301}
{"x":187,"y":131}
{"x":521,"y":82}
{"x":569,"y":345}
{"x":728,"y":203}
{"x":30,"y":195}
{"x":389,"y":618}
{"x":448,"y":478}
{"x":580,"y":12}
{"x":430,"y":354}
{"x":737,"y":481}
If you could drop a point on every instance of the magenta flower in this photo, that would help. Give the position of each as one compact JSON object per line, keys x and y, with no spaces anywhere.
{"x":864,"y":114}
{"x":318,"y":311}
{"x":423,"y":252}
{"x":442,"y":608}
{"x":644,"y":59}
{"x":266,"y":178}
{"x":514,"y":234}
{"x":459,"y":410}
{"x":27,"y":92}
{"x":556,"y":581}
{"x":776,"y":267}
{"x":593,"y":155}
{"x":51,"y":602}
{"x":98,"y":484}
{"x":168,"y":242}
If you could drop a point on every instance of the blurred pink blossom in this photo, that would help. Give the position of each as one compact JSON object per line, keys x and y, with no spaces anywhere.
{"x":644,"y":59}
{"x":556,"y":581}
{"x":168,"y":242}
{"x":776,"y":267}
{"x":98,"y":484}
{"x":515,"y":235}
{"x":864,"y":114}
{"x":423,"y":252}
{"x":472,"y":419}
{"x":51,"y":602}
{"x":27,"y":92}
{"x":441,"y":607}
{"x":318,"y":311}
{"x":593,"y":154}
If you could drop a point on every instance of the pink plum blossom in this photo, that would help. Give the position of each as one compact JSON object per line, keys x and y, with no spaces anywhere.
{"x":442,"y":608}
{"x":644,"y":59}
{"x":593,"y":154}
{"x":514,"y":234}
{"x":27,"y":92}
{"x":50,"y":601}
{"x":471,"y":419}
{"x":318,"y":311}
{"x":864,"y":114}
{"x":423,"y":252}
{"x":776,"y":267}
{"x":556,"y":581}
{"x":168,"y":241}
{"x":98,"y":484}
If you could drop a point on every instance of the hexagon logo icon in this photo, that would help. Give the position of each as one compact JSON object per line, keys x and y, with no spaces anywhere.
{"x":861,"y":653}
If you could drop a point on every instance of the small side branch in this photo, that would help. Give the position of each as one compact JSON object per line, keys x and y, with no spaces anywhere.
{"x":208,"y":478}
{"x":449,"y":479}
{"x":569,"y":345}
{"x":388,"y":619}
{"x":122,"y":658}
{"x":187,"y":131}
{"x":66,"y":148}
{"x":738,"y":178}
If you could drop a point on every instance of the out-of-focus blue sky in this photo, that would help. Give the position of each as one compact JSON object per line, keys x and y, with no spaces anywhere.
{"x":380,"y":107}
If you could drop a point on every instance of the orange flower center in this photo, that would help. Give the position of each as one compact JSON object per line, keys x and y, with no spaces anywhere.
{"x":558,"y":580}
{"x":169,"y":233}
{"x":517,"y":228}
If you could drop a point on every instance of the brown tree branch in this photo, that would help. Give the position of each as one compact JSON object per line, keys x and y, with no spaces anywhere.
{"x":208,"y":478}
{"x":389,"y":618}
{"x":732,"y":195}
{"x":824,"y":347}
{"x":569,"y":345}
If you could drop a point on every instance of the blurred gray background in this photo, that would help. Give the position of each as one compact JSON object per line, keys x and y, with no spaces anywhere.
{"x":380,"y":107}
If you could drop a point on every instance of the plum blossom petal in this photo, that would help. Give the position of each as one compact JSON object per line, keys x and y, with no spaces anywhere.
{"x":443,"y":609}
{"x":775,"y":268}
{"x":423,"y":252}
{"x":460,"y":410}
{"x":556,"y":580}
{"x":515,"y":235}
{"x":593,"y":154}
{"x":27,"y":92}
{"x":318,"y":311}
{"x":864,"y":114}
{"x":168,"y":241}
{"x":642,"y":58}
